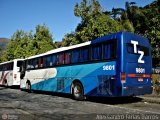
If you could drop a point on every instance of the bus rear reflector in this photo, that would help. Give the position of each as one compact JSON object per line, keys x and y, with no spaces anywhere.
{"x":140,"y":75}
{"x":123,"y":77}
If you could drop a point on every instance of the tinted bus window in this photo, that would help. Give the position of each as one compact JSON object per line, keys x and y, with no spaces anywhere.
{"x":130,"y":49}
{"x":41,"y":62}
{"x":54,"y":60}
{"x":19,"y":63}
{"x":76,"y":56}
{"x":11,"y":66}
{"x":48,"y":60}
{"x":44,"y":61}
{"x":60,"y":58}
{"x":96,"y":52}
{"x":109,"y":50}
{"x":85,"y":54}
{"x":35,"y":63}
{"x":7,"y":66}
{"x":1,"y":67}
{"x":67,"y":58}
{"x":30,"y":64}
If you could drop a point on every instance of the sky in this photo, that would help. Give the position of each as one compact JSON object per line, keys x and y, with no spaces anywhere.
{"x":57,"y":15}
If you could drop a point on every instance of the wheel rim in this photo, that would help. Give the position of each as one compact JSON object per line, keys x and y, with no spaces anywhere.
{"x":28,"y":86}
{"x":77,"y":91}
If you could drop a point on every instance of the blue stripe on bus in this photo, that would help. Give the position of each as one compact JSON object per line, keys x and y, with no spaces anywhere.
{"x":85,"y":73}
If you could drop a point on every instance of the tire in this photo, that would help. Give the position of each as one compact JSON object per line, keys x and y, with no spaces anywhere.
{"x":28,"y":87}
{"x":6,"y":84}
{"x":77,"y":91}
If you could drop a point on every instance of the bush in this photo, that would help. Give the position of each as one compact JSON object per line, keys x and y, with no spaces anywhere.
{"x":156,"y":83}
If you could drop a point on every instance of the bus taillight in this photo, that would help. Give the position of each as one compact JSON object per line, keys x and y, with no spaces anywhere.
{"x":123,"y":77}
{"x":15,"y":76}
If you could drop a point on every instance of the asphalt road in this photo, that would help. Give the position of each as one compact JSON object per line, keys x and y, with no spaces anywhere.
{"x":20,"y":105}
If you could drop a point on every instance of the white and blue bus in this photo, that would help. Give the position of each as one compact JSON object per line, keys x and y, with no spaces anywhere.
{"x":10,"y":72}
{"x":114,"y":65}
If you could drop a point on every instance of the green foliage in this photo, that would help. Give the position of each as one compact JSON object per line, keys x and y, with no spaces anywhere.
{"x":156,"y":83}
{"x":42,"y":41}
{"x":1,"y":54}
{"x":69,"y":39}
{"x":153,"y":31}
{"x":23,"y":44}
{"x":94,"y":24}
{"x":128,"y":25}
{"x":143,"y":21}
{"x":96,"y":28}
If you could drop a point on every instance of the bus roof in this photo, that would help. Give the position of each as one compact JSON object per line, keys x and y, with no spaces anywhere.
{"x":100,"y":39}
{"x":11,"y":61}
{"x":107,"y":37}
{"x":60,"y":49}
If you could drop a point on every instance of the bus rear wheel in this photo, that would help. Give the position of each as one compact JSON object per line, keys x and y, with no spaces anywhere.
{"x":77,"y":91}
{"x":28,"y":87}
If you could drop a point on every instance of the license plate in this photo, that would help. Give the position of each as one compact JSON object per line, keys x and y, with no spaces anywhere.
{"x":140,"y":79}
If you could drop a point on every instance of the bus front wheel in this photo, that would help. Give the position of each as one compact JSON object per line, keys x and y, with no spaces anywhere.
{"x":77,"y":91}
{"x":6,"y":83}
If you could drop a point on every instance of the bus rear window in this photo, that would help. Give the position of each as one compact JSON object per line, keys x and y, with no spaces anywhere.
{"x":130,"y":49}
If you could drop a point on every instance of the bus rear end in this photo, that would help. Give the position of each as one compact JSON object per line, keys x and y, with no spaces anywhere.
{"x":136,"y":65}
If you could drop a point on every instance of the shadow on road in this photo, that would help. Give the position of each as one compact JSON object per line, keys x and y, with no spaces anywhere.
{"x":103,"y":100}
{"x":2,"y":87}
{"x":115,"y":100}
{"x":65,"y":95}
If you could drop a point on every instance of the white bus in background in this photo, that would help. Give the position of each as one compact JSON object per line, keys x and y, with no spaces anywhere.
{"x":9,"y":72}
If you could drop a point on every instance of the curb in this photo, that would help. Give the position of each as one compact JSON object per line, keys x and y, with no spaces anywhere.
{"x":151,"y":100}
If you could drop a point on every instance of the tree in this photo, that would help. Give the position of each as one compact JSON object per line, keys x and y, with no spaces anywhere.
{"x":94,"y":23}
{"x":154,"y":36}
{"x":144,"y":21}
{"x":116,"y":12}
{"x":21,"y":50}
{"x":9,"y":54}
{"x":1,"y":54}
{"x":102,"y":26}
{"x":87,"y":12}
{"x":23,"y":44}
{"x":42,"y":41}
{"x":69,"y":39}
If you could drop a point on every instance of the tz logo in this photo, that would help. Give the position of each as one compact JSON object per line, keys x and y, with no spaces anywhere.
{"x":135,"y":43}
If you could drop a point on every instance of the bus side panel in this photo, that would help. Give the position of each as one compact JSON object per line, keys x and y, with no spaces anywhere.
{"x":6,"y":78}
{"x":2,"y":77}
{"x":9,"y":77}
{"x":96,"y":78}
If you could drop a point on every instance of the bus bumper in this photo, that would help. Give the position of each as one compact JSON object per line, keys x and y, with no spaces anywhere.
{"x":136,"y":90}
